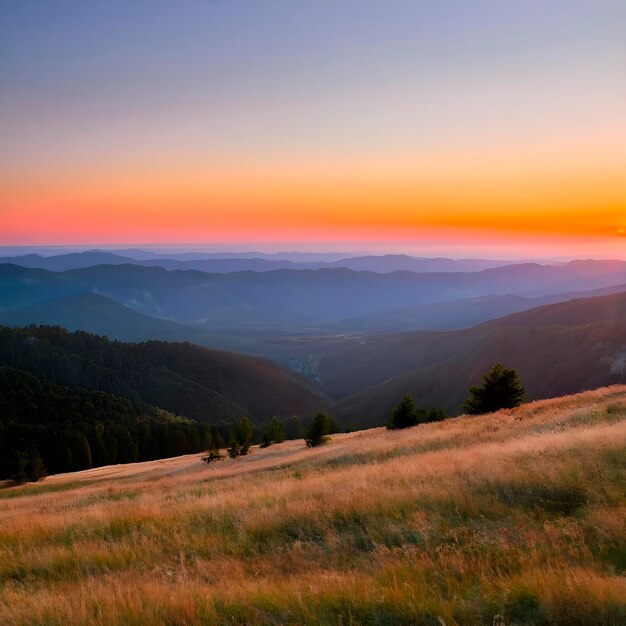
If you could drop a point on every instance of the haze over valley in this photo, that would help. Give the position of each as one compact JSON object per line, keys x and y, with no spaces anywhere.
{"x":361,"y":338}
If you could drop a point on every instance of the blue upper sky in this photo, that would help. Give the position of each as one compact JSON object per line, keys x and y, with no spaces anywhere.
{"x":357,"y":70}
{"x":94,"y":87}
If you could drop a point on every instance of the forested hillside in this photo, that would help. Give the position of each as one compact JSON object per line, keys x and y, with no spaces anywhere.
{"x":199,"y":383}
{"x":73,"y":400}
{"x":48,"y":428}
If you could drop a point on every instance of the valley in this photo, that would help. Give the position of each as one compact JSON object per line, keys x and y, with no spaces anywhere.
{"x":561,"y":343}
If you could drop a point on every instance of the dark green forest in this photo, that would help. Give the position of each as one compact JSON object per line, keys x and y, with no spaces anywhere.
{"x":189,"y":380}
{"x":72,"y":401}
{"x":80,"y":359}
{"x":48,"y":428}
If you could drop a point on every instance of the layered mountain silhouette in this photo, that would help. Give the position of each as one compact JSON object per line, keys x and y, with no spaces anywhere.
{"x":293,"y":300}
{"x":333,"y":325}
{"x":100,"y":315}
{"x":256,"y":262}
{"x":459,"y":313}
{"x":558,"y":349}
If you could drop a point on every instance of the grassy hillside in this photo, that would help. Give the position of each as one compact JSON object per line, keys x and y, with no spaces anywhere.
{"x":520,"y":514}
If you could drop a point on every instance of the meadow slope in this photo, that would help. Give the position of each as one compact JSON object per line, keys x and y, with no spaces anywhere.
{"x":521,"y":514}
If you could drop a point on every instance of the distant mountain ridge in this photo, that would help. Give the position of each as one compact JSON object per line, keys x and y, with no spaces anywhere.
{"x":460,"y":313}
{"x":98,"y":314}
{"x":558,"y":348}
{"x":177,"y":254}
{"x":256,"y":262}
{"x":288,"y":299}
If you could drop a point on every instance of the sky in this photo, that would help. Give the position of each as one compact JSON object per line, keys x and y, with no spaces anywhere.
{"x":400,"y":125}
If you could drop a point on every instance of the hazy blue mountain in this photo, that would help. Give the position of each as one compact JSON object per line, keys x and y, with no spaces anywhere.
{"x":102,"y":316}
{"x":33,"y":255}
{"x":229,"y":265}
{"x":289,"y":300}
{"x":73,"y":260}
{"x":458,"y":313}
{"x":402,"y":262}
{"x":250,"y":261}
{"x":585,"y":309}
{"x":296,"y":257}
{"x":558,"y":349}
{"x":382,"y":264}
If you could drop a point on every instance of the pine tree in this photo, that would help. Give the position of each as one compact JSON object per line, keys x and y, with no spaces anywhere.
{"x":317,"y":434}
{"x":266,"y":438}
{"x":501,"y":389}
{"x":404,"y":415}
{"x":243,"y":435}
{"x":234,"y":449}
{"x":277,"y":432}
{"x":81,"y":452}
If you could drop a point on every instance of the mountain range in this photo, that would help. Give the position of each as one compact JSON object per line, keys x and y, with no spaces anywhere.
{"x":295,"y":301}
{"x":558,"y":349}
{"x":256,"y":262}
{"x":344,"y":332}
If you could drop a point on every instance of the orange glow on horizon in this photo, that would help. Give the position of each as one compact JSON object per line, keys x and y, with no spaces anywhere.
{"x":437,"y":122}
{"x":535,"y":190}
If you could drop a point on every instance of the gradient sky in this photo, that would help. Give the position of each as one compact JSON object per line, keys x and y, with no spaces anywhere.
{"x":416,"y":125}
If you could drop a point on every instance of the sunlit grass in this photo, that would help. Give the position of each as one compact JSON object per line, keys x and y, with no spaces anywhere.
{"x":520,"y":513}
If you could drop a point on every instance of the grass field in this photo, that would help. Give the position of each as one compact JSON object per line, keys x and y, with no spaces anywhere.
{"x":520,"y":514}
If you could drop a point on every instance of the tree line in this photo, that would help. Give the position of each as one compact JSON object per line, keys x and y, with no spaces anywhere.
{"x":316,"y":434}
{"x":501,"y":388}
{"x":47,"y":428}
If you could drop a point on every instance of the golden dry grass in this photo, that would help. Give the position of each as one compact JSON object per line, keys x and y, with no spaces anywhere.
{"x":521,"y":513}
